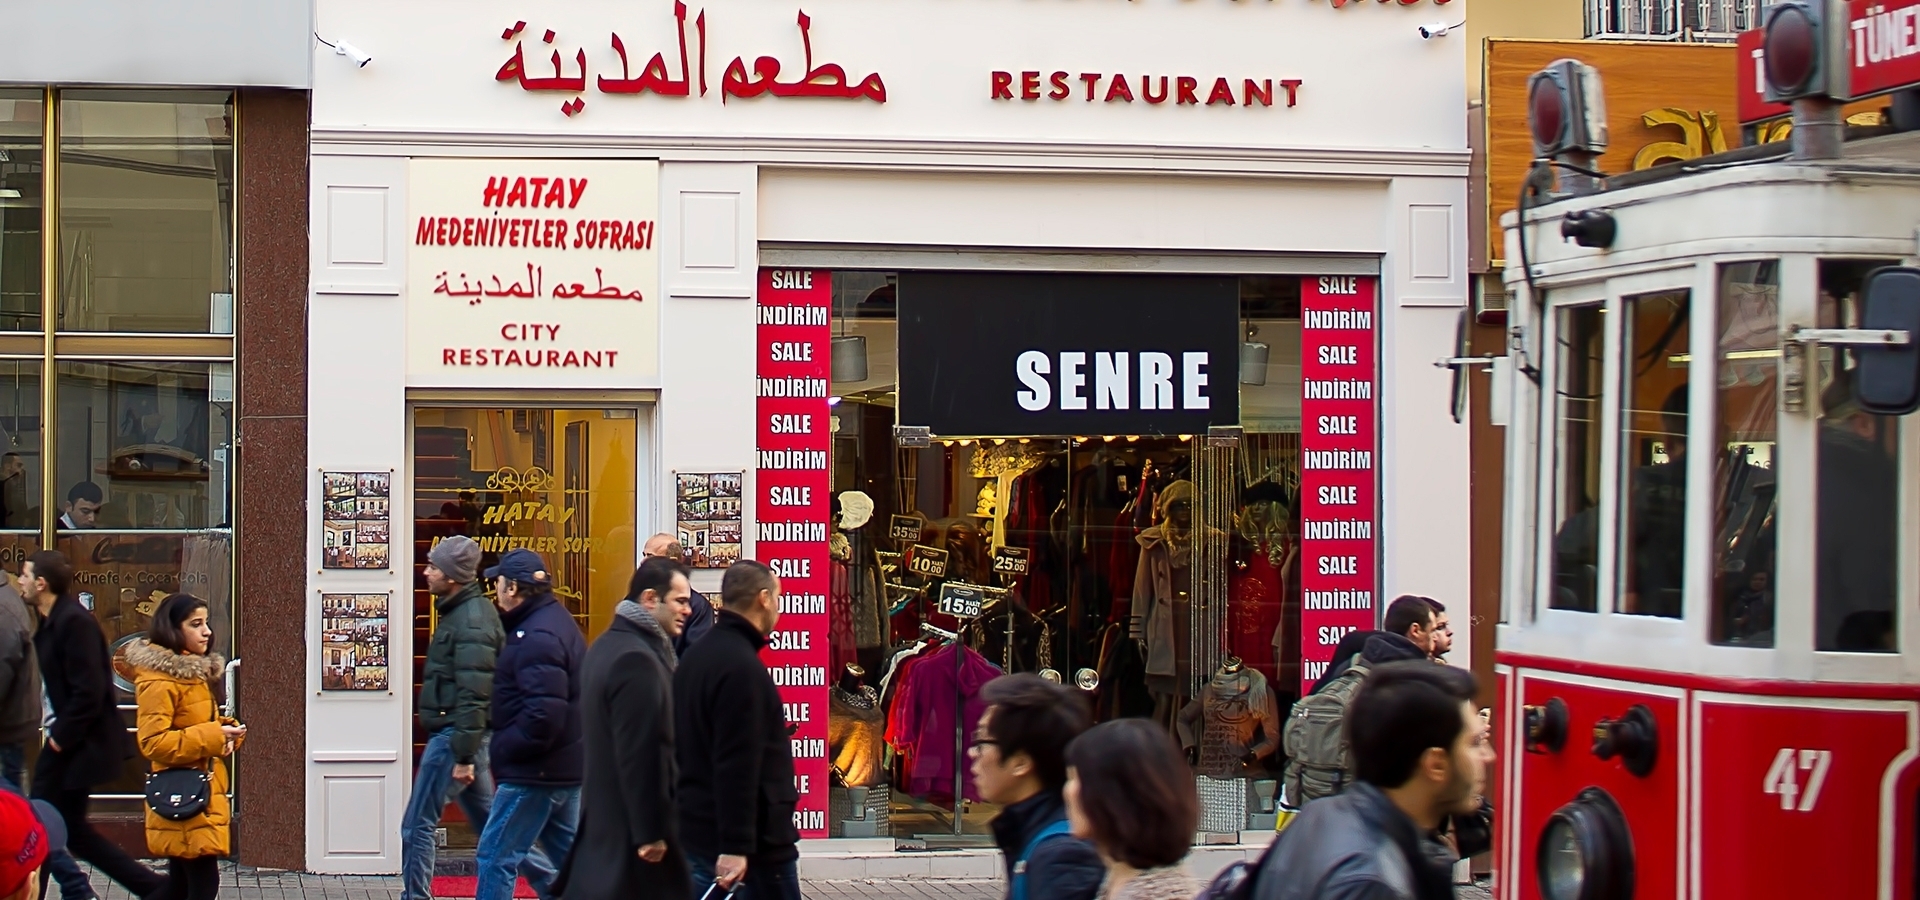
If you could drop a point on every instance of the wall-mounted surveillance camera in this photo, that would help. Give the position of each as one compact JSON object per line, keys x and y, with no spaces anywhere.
{"x":1437,"y":29}
{"x":360,"y":57}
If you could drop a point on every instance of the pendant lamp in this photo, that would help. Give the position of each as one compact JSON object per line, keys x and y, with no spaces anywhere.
{"x":849,"y":358}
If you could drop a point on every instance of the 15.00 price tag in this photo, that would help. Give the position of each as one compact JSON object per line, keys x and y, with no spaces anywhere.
{"x":928,"y":562}
{"x":961,"y":601}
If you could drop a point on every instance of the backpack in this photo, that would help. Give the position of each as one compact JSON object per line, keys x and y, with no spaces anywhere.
{"x":1017,"y":879}
{"x":1316,"y":742}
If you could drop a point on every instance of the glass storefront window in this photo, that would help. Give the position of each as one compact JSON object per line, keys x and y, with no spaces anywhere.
{"x":146,"y":211}
{"x":144,"y":445}
{"x":1162,"y":576}
{"x":1856,"y":570}
{"x":1653,"y":453}
{"x":1746,"y":434}
{"x":21,"y":122}
{"x":1577,"y":365}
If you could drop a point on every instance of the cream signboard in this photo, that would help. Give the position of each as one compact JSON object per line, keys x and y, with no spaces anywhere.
{"x":533,"y":273}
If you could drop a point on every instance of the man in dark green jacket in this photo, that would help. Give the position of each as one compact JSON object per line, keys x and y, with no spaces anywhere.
{"x":456,"y":689}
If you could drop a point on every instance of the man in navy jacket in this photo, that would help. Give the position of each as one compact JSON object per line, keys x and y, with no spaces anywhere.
{"x":538,"y":749}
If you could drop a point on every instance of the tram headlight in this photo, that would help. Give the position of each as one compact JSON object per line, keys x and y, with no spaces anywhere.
{"x":1585,"y":851}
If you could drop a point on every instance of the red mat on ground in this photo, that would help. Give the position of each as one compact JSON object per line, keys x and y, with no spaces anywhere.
{"x":459,"y":887}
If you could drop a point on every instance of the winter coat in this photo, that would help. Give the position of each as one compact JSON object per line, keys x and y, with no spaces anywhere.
{"x":1355,"y":845}
{"x":77,"y":675}
{"x":538,"y":738}
{"x":19,"y":673}
{"x":457,"y":683}
{"x":180,"y":729}
{"x":1061,"y":868}
{"x":628,"y":710}
{"x":736,"y":761}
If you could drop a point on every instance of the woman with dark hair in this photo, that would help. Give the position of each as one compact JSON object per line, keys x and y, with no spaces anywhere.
{"x":1130,"y":792}
{"x":180,"y":728}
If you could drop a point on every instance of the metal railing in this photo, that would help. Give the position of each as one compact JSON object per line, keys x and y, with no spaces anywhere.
{"x":1686,"y":21}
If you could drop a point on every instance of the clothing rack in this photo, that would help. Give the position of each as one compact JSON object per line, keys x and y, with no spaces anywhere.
{"x":959,"y":718}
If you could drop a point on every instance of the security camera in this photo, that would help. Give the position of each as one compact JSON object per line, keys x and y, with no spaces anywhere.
{"x":1437,"y":29}
{"x":361,"y":57}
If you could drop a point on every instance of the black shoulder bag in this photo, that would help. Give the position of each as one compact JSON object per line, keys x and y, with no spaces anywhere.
{"x":178,"y":794}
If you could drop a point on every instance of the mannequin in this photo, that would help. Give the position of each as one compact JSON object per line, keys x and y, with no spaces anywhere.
{"x":1162,"y":585}
{"x":1263,"y":545}
{"x":1233,"y":722}
{"x":856,"y":724}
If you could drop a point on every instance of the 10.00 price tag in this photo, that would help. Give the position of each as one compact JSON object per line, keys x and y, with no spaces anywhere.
{"x":927,"y":562}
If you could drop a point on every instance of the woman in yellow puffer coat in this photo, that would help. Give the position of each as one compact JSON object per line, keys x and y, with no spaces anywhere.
{"x":180,"y":728}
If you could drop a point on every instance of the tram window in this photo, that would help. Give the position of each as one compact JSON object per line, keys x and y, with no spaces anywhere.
{"x":1856,"y":544}
{"x":1576,"y":442}
{"x":1653,"y":450}
{"x":1746,"y":431}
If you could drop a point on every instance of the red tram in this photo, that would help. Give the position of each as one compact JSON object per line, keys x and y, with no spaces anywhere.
{"x":1709,"y":653}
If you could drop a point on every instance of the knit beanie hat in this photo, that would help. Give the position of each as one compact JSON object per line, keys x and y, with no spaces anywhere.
{"x":457,"y":557}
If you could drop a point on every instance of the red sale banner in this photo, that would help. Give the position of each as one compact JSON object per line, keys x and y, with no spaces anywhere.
{"x":1339,"y":441}
{"x":790,"y":513}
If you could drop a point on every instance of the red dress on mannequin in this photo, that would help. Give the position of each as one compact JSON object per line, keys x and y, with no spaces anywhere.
{"x":1253,"y":605}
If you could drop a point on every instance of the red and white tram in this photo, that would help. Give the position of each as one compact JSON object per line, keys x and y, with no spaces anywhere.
{"x":1709,"y":652}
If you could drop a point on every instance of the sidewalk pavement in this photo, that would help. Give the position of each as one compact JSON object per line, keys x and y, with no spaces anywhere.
{"x":243,"y":883}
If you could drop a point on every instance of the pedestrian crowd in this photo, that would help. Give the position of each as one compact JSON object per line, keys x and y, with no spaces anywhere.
{"x":677,"y":726}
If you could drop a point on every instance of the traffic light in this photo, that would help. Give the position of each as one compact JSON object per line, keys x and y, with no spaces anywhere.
{"x":1566,"y":109}
{"x":1806,"y":50}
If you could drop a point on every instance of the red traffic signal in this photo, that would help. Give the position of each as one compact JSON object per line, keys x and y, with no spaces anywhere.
{"x":1566,"y":109}
{"x":1806,"y":46}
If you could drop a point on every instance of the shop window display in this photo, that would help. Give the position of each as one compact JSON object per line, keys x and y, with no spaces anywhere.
{"x":1155,"y":572}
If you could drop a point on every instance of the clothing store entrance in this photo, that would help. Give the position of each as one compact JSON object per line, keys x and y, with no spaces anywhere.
{"x":559,"y":480}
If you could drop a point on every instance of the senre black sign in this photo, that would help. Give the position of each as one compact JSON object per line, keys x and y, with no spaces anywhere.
{"x":989,"y":354}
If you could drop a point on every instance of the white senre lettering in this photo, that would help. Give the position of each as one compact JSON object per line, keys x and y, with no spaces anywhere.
{"x":1112,"y":388}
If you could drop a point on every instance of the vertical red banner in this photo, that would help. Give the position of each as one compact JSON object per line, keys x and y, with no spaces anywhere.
{"x":1339,"y":448}
{"x":790,"y":512}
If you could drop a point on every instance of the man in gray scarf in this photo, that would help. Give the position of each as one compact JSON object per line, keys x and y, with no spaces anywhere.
{"x":628,"y":844}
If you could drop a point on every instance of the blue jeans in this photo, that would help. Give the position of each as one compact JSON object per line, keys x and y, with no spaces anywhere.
{"x":764,"y":881}
{"x":73,"y":882}
{"x":523,"y":814}
{"x":433,"y":789}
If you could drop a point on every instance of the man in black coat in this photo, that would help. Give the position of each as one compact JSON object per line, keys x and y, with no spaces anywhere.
{"x":736,"y":761}
{"x":629,"y":842}
{"x":88,"y":744}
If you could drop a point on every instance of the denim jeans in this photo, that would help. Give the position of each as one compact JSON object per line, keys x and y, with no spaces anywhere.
{"x":73,"y":882}
{"x":523,"y":814}
{"x":764,"y":881}
{"x":433,"y":789}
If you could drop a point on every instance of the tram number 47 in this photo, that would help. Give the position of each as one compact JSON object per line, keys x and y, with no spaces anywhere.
{"x":1783,"y":777}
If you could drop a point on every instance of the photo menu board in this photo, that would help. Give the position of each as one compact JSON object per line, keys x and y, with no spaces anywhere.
{"x":790,"y":511}
{"x":1339,"y":447}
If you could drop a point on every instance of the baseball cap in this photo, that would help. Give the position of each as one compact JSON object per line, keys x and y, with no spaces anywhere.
{"x":520,"y":565}
{"x":28,"y":832}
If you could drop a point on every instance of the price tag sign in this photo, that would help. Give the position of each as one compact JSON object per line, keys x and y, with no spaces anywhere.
{"x":961,"y":600}
{"x":905,"y":528}
{"x":1011,"y":560}
{"x":927,"y":561}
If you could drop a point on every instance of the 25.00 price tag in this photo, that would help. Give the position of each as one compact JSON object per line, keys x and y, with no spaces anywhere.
{"x":1011,"y":560}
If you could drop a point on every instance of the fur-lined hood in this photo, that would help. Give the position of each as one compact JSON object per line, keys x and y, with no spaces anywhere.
{"x":148,"y":656}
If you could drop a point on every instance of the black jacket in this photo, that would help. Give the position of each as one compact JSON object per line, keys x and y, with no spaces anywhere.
{"x":699,"y":622}
{"x":1061,"y":868}
{"x":1355,"y":845}
{"x":628,"y":683}
{"x":456,"y":685}
{"x":78,"y":678}
{"x":537,"y":734}
{"x":736,"y":760}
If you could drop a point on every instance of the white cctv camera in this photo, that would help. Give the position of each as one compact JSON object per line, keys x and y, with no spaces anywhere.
{"x":1437,"y":29}
{"x":361,"y":57}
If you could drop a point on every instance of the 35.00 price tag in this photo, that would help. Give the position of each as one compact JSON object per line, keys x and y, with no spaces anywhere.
{"x":927,"y":561}
{"x":905,"y":528}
